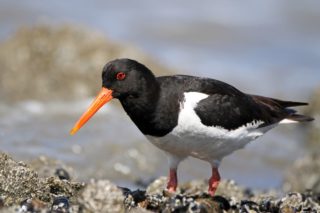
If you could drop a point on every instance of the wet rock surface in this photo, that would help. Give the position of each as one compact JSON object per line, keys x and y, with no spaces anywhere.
{"x":23,"y":190}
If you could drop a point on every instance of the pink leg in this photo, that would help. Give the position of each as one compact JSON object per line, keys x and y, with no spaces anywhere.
{"x":214,"y":181}
{"x":173,"y":180}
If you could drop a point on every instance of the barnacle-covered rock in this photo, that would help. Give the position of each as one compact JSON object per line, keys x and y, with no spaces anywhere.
{"x":101,"y":196}
{"x":18,"y":182}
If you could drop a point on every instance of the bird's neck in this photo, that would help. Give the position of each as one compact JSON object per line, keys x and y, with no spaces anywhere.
{"x":141,"y":107}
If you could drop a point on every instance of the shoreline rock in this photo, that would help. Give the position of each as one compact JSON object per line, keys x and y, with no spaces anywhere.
{"x":22,"y":189}
{"x":19,"y":183}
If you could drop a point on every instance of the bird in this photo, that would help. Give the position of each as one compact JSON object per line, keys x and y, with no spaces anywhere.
{"x":189,"y":116}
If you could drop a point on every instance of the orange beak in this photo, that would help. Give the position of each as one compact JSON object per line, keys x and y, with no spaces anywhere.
{"x":104,"y":96}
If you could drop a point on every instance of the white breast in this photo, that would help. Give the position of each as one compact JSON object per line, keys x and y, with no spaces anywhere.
{"x":210,"y":143}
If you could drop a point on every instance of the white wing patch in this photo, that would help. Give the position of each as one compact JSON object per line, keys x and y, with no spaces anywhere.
{"x":288,"y":121}
{"x":210,"y":143}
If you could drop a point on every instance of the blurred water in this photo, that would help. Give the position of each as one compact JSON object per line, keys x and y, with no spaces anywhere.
{"x":270,"y":48}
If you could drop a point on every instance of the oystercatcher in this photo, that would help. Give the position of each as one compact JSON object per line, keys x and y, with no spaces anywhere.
{"x":189,"y":116}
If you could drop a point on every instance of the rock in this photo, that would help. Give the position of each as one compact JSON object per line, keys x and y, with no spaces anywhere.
{"x":191,"y":197}
{"x":46,"y":61}
{"x":63,"y":188}
{"x":157,"y":186}
{"x":304,"y":175}
{"x":32,"y":205}
{"x":60,"y":205}
{"x":233,"y":198}
{"x":22,"y":190}
{"x":18,"y":182}
{"x":21,"y":185}
{"x":226,"y":188}
{"x":297,"y":202}
{"x":102,"y":196}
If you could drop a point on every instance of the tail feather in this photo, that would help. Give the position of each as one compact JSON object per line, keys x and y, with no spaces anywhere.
{"x":279,"y":102}
{"x":289,"y":103}
{"x":296,"y":118}
{"x":280,"y":108}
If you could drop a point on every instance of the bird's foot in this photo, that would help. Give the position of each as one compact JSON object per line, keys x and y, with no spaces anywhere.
{"x":212,"y":188}
{"x":171,"y":189}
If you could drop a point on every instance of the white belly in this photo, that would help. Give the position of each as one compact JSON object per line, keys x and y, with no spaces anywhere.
{"x":191,"y":138}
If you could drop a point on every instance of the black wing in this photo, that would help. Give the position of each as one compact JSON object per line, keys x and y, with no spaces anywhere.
{"x":228,"y":107}
{"x":231,"y":112}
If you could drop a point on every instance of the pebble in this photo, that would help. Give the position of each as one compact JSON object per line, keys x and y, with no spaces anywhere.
{"x":62,"y":174}
{"x":60,"y":205}
{"x":31,"y":205}
{"x":26,"y":206}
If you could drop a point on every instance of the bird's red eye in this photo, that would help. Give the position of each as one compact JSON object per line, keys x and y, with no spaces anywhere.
{"x":120,"y":76}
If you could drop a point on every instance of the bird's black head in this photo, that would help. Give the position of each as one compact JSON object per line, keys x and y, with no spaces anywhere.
{"x":126,"y":78}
